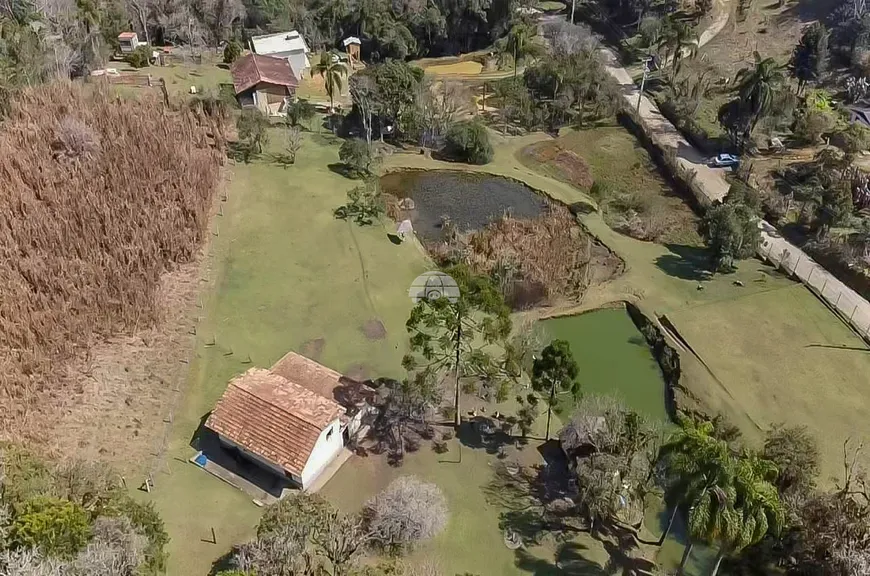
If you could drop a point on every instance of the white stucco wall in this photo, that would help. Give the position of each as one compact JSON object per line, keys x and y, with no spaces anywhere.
{"x":325,"y":451}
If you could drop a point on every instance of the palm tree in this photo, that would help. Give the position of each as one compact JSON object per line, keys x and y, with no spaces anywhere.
{"x":519,"y":42}
{"x":331,"y":71}
{"x":678,"y":42}
{"x":753,"y":507}
{"x":758,"y":86}
{"x":699,"y":474}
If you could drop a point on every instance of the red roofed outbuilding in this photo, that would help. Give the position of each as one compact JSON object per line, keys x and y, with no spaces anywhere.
{"x":293,"y":419}
{"x":264,"y":82}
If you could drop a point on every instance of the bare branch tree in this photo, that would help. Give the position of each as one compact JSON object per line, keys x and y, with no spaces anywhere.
{"x":406,"y":512}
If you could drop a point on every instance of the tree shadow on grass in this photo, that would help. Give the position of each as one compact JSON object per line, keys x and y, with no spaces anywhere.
{"x":685,"y":262}
{"x":568,"y":561}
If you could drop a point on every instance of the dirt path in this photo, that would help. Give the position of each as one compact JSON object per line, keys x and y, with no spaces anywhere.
{"x":710,"y":186}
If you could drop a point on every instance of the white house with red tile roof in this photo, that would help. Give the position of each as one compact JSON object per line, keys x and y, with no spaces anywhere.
{"x":288,"y":419}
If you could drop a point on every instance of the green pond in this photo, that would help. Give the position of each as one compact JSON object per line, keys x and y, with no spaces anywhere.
{"x":614,"y":359}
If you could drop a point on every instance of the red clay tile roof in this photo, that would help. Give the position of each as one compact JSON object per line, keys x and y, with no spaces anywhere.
{"x":321,"y":380}
{"x":126,"y":35}
{"x":273,"y":417}
{"x":252,"y":69}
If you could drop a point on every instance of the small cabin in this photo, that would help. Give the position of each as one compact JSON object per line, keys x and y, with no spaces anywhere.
{"x":128,"y":41}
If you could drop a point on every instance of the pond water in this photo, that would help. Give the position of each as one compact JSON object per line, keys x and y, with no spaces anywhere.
{"x":470,"y":200}
{"x":614,"y":359}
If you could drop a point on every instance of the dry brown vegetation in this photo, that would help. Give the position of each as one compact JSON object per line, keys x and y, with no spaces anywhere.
{"x":539,"y":260}
{"x":100,"y":197}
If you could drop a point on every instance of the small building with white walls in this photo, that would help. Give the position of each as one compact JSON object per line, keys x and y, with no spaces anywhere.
{"x":288,"y":419}
{"x":128,"y":41}
{"x":290,"y":45}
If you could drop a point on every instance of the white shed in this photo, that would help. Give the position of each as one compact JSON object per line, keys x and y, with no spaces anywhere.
{"x":290,"y":45}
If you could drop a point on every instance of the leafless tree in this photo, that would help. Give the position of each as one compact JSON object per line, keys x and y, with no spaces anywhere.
{"x":567,"y":38}
{"x":406,"y":512}
{"x":83,"y":482}
{"x":280,"y":553}
{"x":440,"y":104}
{"x":87,"y":483}
{"x":362,"y":93}
{"x":142,"y":9}
{"x":27,"y":562}
{"x":294,"y":143}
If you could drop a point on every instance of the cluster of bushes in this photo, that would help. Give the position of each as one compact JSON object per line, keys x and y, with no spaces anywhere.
{"x":306,"y":534}
{"x":75,"y":519}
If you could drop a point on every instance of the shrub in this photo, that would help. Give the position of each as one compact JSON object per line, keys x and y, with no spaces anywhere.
{"x":232,"y":51}
{"x":357,"y":157}
{"x":253,"y":128}
{"x":364,"y":204}
{"x":57,"y":527}
{"x":145,"y":519}
{"x":810,"y":124}
{"x":406,"y":512}
{"x":140,"y":57}
{"x":469,"y":142}
{"x":299,"y":111}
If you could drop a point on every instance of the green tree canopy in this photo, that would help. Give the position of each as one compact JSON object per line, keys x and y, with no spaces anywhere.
{"x":555,"y":372}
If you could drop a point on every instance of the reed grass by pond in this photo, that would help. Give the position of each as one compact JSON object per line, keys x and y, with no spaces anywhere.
{"x":469,"y":200}
{"x":614,"y":359}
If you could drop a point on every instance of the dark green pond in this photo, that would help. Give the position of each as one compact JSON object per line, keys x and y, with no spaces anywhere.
{"x":614,"y":359}
{"x":468,"y":199}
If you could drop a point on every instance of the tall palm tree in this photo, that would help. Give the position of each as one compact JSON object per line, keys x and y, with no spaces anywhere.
{"x":758,"y":86}
{"x":520,"y":43}
{"x":755,"y":509}
{"x":679,"y":41}
{"x":331,"y":72}
{"x":699,"y":471}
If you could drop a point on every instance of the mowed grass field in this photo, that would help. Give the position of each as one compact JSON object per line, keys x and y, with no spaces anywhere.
{"x":285,"y":275}
{"x":782,"y":357}
{"x":614,"y":158}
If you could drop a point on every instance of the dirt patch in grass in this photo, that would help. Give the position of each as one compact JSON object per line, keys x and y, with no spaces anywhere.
{"x":374,"y":329}
{"x":313,"y":348}
{"x":574,"y":169}
{"x":360,"y":372}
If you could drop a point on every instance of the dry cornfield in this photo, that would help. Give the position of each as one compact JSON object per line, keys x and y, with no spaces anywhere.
{"x":99,"y":196}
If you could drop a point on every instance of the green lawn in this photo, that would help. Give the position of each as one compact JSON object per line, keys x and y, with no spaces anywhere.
{"x":617,"y":161}
{"x":472,"y":541}
{"x":284,"y":273}
{"x":781,"y":356}
{"x":180,"y":77}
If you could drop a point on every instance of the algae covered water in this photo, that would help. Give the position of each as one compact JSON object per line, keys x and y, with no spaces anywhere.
{"x":613,"y":358}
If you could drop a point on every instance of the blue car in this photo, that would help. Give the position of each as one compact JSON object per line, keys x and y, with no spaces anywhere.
{"x":724,"y":161}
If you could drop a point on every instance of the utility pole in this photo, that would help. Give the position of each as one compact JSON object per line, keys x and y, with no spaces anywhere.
{"x":646,"y":62}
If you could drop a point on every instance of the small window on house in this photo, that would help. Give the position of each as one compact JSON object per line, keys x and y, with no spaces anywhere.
{"x":329,"y":434}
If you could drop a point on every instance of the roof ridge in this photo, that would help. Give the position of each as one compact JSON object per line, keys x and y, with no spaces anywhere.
{"x":305,"y":391}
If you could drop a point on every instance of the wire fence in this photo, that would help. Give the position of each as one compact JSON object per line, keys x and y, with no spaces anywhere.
{"x":845,"y":301}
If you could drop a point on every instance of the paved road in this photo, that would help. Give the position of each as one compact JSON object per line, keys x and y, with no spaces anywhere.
{"x":710,"y":186}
